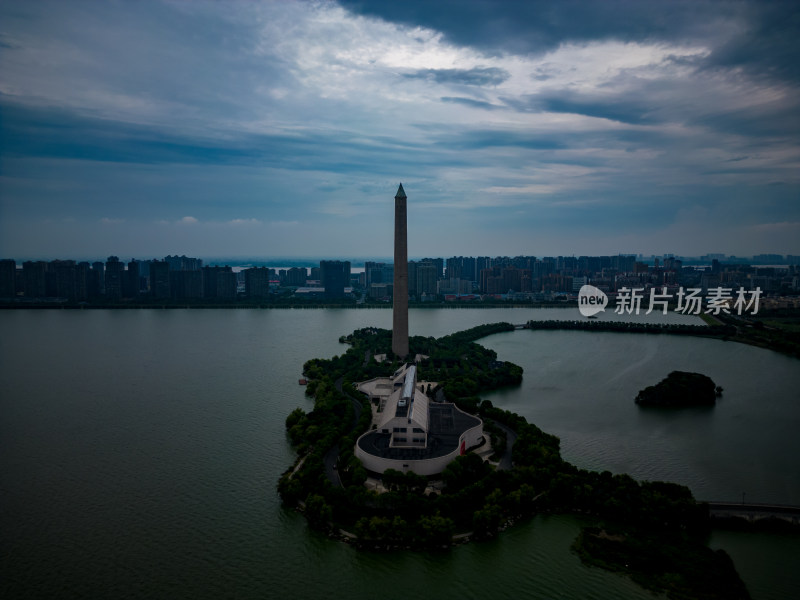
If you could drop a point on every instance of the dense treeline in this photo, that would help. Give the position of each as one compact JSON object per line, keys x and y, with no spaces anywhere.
{"x":663,"y":563}
{"x":473,"y":334}
{"x":658,"y":530}
{"x":564,"y":487}
{"x":463,"y":368}
{"x":634,"y":327}
{"x":780,"y":336}
{"x":776,"y":329}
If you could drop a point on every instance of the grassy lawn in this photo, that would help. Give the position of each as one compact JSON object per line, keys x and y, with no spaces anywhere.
{"x":785,"y":324}
{"x":709,"y":320}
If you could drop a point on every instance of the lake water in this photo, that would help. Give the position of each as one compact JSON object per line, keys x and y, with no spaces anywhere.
{"x":141,"y":449}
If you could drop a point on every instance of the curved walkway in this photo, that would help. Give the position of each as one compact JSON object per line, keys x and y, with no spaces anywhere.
{"x":505,"y":463}
{"x":332,"y":455}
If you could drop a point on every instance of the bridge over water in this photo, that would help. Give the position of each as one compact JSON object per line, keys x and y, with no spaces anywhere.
{"x":755,"y":512}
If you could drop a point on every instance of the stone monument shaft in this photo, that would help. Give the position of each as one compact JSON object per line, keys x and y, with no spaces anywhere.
{"x":400,"y":293}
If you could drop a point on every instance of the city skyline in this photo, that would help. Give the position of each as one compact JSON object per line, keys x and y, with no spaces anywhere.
{"x":281,"y":128}
{"x":181,"y":278}
{"x":308,"y":262}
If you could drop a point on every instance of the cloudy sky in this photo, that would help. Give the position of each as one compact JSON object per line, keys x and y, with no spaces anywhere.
{"x":283,"y":128}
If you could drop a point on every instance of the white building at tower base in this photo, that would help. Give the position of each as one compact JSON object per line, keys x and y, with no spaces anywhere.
{"x":411,"y":432}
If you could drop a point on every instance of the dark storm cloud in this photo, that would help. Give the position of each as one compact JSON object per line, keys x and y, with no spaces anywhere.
{"x":476,"y":76}
{"x":490,"y":138}
{"x":470,"y":102}
{"x":759,"y":36}
{"x":779,"y":121}
{"x":617,"y":109}
{"x":64,"y":134}
{"x":540,"y":25}
{"x":768,"y":45}
{"x":301,"y":111}
{"x":633,"y":101}
{"x":57,"y":133}
{"x":192,"y":59}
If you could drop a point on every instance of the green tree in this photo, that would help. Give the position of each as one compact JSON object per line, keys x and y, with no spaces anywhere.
{"x":486,"y":521}
{"x":463,"y":471}
{"x":435,"y":530}
{"x":318,"y":512}
{"x":294,"y":417}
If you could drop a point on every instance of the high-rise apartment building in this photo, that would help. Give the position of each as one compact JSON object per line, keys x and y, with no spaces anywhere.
{"x":34,"y":274}
{"x":185,"y":285}
{"x":8,"y":275}
{"x":159,"y":279}
{"x":64,"y":276}
{"x":488,"y":284}
{"x":296,"y":276}
{"x":512,"y":279}
{"x":256,"y":282}
{"x":335,"y":276}
{"x":115,"y":270}
{"x":131,"y":284}
{"x":183,"y":263}
{"x":412,"y":278}
{"x":219,"y":283}
{"x":460,"y":267}
{"x":427,"y":276}
{"x":438,"y":263}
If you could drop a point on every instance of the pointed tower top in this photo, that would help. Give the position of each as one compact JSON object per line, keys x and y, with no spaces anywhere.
{"x":400,"y":192}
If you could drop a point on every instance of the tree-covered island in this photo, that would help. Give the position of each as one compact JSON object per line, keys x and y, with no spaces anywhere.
{"x":680,"y":388}
{"x":475,"y":498}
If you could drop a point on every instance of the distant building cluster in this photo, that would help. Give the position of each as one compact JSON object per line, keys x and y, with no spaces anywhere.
{"x":455,"y":279}
{"x":174,"y":277}
{"x":467,"y":278}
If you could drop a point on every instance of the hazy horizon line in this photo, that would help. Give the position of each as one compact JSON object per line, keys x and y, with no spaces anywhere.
{"x":295,"y":260}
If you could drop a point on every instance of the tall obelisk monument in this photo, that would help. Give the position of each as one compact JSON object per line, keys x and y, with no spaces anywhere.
{"x":400,"y":293}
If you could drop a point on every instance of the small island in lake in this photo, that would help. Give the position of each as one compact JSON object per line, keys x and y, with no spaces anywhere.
{"x":680,"y":388}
